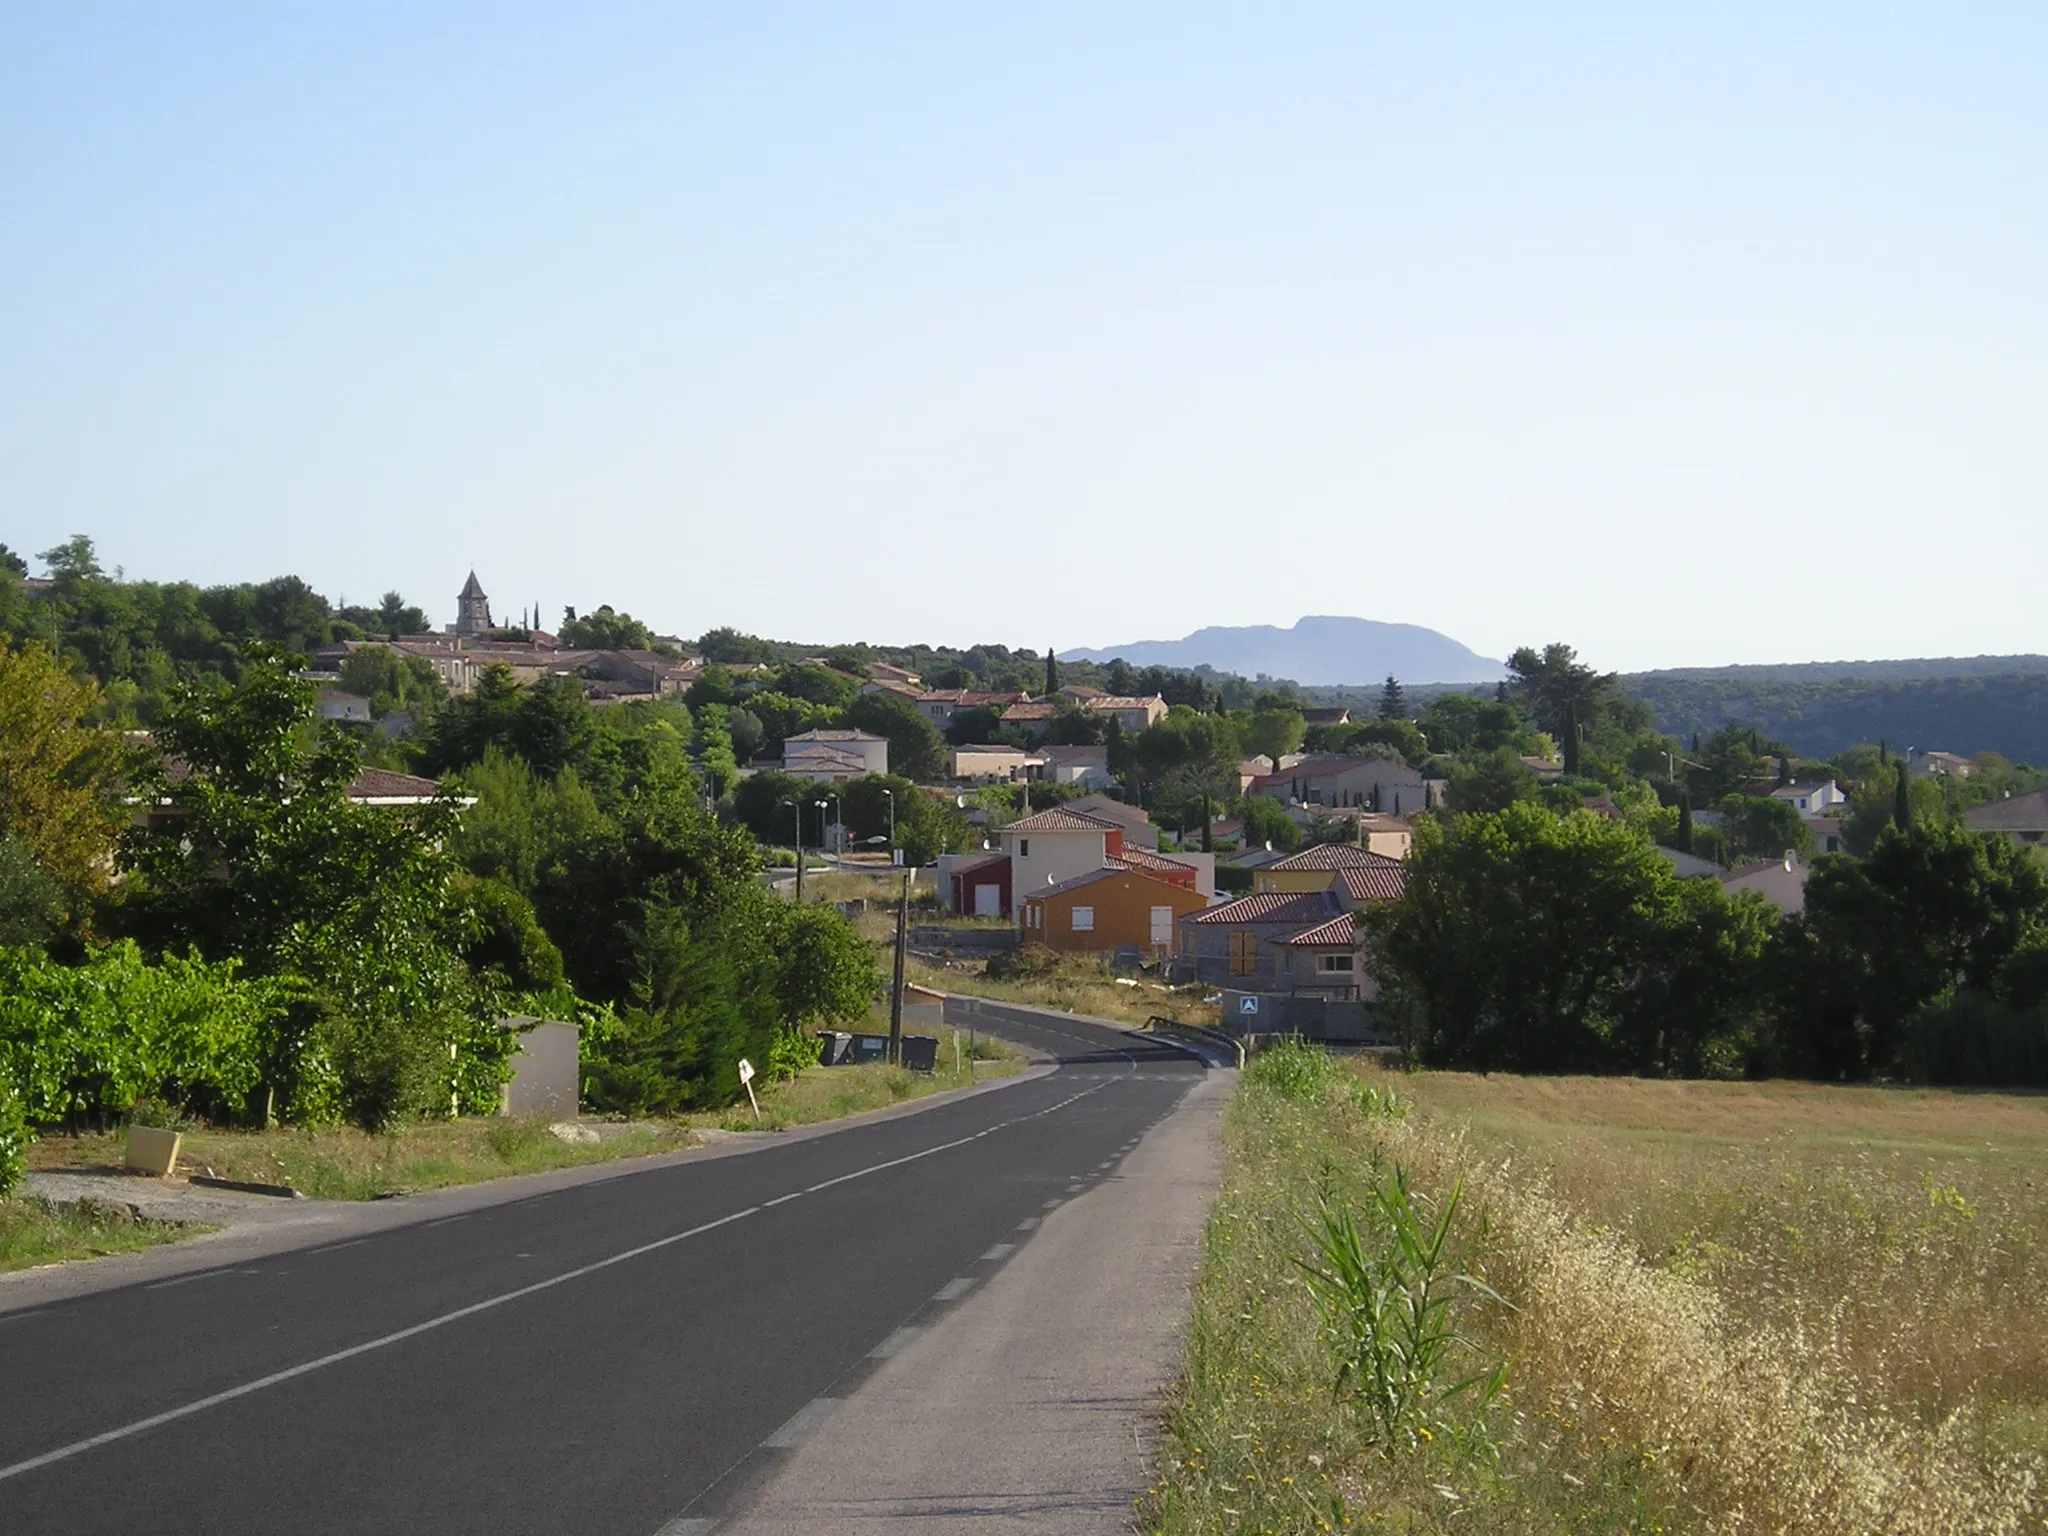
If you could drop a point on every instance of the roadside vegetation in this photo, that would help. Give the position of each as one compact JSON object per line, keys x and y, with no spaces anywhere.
{"x":33,"y":1233}
{"x":832,"y":1093}
{"x":343,"y":1163}
{"x":1435,"y":1302}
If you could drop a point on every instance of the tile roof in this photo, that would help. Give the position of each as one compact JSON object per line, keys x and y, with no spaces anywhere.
{"x":1270,"y":907}
{"x":1145,"y":858}
{"x":1060,"y":819}
{"x":1334,"y":856}
{"x":1029,"y":711}
{"x":1121,"y":701}
{"x":1094,"y":875}
{"x":2015,"y":813}
{"x":834,"y":736}
{"x":1341,"y":930}
{"x":1385,"y":882}
{"x":385,"y":784}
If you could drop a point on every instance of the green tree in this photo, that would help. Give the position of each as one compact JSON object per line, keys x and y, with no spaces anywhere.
{"x":1934,"y":911}
{"x":1492,"y":782}
{"x":606,"y":630}
{"x":60,"y":778}
{"x":259,"y":855}
{"x":1764,"y":827}
{"x":1392,"y":705}
{"x":1530,"y":941}
{"x":1052,"y":673}
{"x":1558,"y":689}
{"x":396,"y":617}
{"x":1274,"y":733}
{"x":1266,"y":821}
{"x":916,"y":750}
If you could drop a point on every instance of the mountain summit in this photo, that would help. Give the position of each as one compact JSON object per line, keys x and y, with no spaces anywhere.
{"x":1317,"y":651}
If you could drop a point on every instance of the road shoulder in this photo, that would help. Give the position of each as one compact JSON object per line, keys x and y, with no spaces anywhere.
{"x":1031,"y":1405}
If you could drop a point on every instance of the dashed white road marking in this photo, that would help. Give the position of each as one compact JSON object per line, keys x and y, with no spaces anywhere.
{"x":1028,"y":1223}
{"x":999,"y":1252}
{"x":953,"y":1290}
{"x":803,"y":1423}
{"x":895,"y":1344}
{"x":398,"y":1336}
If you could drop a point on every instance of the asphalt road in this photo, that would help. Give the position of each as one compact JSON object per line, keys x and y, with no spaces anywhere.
{"x":634,"y":1356}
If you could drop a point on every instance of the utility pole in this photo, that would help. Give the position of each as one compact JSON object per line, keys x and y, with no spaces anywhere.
{"x":799,"y":853}
{"x":896,"y":997}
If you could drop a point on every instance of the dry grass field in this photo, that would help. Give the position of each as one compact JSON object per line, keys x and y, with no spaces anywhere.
{"x":1729,"y":1308}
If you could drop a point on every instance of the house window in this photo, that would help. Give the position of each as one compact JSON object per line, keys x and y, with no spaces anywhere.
{"x":1023,"y":847}
{"x":1335,"y":963}
{"x":1084,"y":919}
{"x":1244,"y":954}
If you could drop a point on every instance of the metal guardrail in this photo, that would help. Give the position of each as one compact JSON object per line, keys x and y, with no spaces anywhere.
{"x":1159,"y":1024}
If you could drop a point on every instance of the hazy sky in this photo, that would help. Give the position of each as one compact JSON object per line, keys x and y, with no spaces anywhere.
{"x":1689,"y":339}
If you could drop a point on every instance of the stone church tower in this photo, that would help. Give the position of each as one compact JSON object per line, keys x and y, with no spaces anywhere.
{"x":472,"y":610}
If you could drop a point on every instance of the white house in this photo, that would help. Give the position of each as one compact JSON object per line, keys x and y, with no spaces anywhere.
{"x":1811,"y":800}
{"x":993,"y":763}
{"x":1053,"y":846}
{"x":1381,"y":784}
{"x":835,"y":755}
{"x":334,"y":704}
{"x":1781,"y":882}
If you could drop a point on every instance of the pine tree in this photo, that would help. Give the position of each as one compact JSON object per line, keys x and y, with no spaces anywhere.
{"x":1902,"y":803}
{"x":1052,"y":673}
{"x":1392,"y":705}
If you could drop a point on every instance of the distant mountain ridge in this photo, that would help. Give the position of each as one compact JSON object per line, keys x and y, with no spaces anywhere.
{"x":1319,"y":650}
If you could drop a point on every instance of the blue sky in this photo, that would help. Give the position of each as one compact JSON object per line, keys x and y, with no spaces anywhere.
{"x":1686,"y":338}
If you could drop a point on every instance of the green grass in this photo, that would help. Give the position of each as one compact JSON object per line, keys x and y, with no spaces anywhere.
{"x":346,"y":1164}
{"x":1727,"y":1307}
{"x":832,"y":1093}
{"x":33,"y":1233}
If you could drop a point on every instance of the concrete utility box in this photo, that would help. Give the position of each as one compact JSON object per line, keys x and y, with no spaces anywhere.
{"x":153,"y":1151}
{"x":923,"y":1009}
{"x":546,"y":1072}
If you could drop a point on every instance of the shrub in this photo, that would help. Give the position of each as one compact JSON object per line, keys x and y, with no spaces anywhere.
{"x":1387,"y":1303}
{"x":1973,"y":1039}
{"x":1294,"y":1069}
{"x":14,"y":1138}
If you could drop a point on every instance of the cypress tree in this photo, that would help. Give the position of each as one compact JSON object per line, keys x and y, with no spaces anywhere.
{"x":1571,"y":738}
{"x":1883,"y":753}
{"x":1392,"y":705}
{"x":1684,"y":838}
{"x":1902,"y":803}
{"x":1052,"y":673}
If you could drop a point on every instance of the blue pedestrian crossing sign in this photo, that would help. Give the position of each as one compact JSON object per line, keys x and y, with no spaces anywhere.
{"x":1247,"y":1005}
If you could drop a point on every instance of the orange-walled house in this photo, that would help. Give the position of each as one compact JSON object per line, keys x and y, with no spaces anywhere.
{"x":1109,"y":909}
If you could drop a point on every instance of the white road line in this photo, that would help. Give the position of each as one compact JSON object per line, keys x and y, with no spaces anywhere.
{"x":998,"y":1253}
{"x":687,"y":1525}
{"x":1056,"y":1200}
{"x":210,"y":1274}
{"x":803,"y":1424}
{"x":953,"y":1290}
{"x":1027,"y":1223}
{"x":895,"y":1344}
{"x":308,"y":1367}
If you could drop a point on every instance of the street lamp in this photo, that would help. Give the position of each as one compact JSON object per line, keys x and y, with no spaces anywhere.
{"x":839,"y":820}
{"x":820,"y":804}
{"x":892,"y":824}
